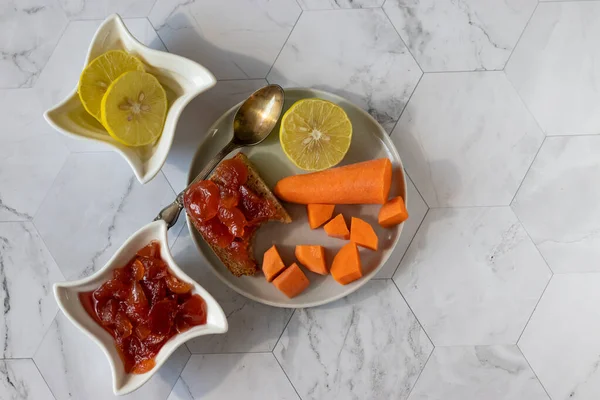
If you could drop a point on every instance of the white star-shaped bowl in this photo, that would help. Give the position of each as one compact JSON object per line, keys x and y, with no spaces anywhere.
{"x":182,"y":79}
{"x":66,"y":295}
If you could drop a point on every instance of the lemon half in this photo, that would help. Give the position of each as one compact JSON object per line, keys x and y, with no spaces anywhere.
{"x":133,"y":109}
{"x":315,"y":134}
{"x":100,"y":73}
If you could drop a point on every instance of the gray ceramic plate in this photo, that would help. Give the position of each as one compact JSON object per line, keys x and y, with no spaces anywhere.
{"x":369,"y":141}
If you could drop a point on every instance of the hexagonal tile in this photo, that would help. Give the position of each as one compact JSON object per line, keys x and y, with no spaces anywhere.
{"x":67,"y":357}
{"x":27,"y":272}
{"x":236,"y":39}
{"x":354,"y":53}
{"x":472,"y":276}
{"x":561,"y":339}
{"x":368,"y":344}
{"x":31,"y":154}
{"x":28,"y":34}
{"x":99,"y":9}
{"x":334,"y":4}
{"x":466,"y":35}
{"x":416,"y":211}
{"x":94,"y":205}
{"x":195,"y":120}
{"x":553,"y":67}
{"x":22,"y":381}
{"x":233,"y":376}
{"x":480,"y":372}
{"x":559,"y":206}
{"x":252,"y":326}
{"x":61,"y":74}
{"x":466,"y":139}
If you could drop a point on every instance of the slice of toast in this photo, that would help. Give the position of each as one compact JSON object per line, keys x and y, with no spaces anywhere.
{"x":258,"y":186}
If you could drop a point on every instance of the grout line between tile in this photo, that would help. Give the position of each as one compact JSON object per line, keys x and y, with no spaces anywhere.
{"x":284,"y":43}
{"x":60,"y":170}
{"x":521,"y":35}
{"x":43,"y":378}
{"x":404,"y":109}
{"x":535,"y":308}
{"x":58,"y":40}
{"x":409,"y":244}
{"x":283,"y":331}
{"x":527,"y":173}
{"x":534,"y":373}
{"x":154,"y":29}
{"x":288,"y":378}
{"x":415,"y":315}
{"x":401,"y":39}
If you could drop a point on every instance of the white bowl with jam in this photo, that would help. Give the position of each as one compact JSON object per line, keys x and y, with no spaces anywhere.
{"x":140,"y":307}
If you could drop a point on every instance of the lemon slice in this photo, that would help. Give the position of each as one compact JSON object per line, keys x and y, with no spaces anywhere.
{"x":315,"y":134}
{"x":134,"y":108}
{"x":100,"y":73}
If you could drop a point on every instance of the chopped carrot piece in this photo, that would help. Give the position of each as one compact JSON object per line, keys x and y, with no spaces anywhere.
{"x":392,"y":213}
{"x":346,"y":266}
{"x":363,"y":234}
{"x":272,"y":264}
{"x":366,"y":182}
{"x":318,"y":214}
{"x":291,"y":281}
{"x":337,"y":228}
{"x":313,"y":258}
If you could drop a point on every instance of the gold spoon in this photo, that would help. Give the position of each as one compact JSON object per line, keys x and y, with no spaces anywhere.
{"x":253,"y":122}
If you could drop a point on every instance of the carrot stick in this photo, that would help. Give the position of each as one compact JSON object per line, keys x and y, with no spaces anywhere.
{"x":366,"y":182}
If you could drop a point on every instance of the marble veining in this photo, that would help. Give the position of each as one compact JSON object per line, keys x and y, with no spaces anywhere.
{"x":21,"y":380}
{"x":97,"y":198}
{"x":559,"y":207}
{"x":27,"y":272}
{"x":236,"y":39}
{"x":472,"y":276}
{"x":478,"y":372}
{"x":75,"y":368}
{"x":477,"y":149}
{"x":356,"y":54}
{"x":249,"y":376}
{"x":463,"y":35}
{"x":336,"y":4}
{"x":560,"y":340}
{"x":28,"y":34}
{"x":27,"y":145}
{"x":98,"y":9}
{"x":468,"y":90}
{"x":368,"y":345}
{"x":554,"y":67}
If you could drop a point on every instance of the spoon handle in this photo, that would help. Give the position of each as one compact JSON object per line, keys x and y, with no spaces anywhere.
{"x":170,"y":213}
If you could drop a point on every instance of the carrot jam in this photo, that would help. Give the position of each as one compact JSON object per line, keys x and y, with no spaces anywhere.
{"x":142,"y":307}
{"x":226,"y":211}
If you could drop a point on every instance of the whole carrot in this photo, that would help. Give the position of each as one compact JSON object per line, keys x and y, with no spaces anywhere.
{"x":366,"y":182}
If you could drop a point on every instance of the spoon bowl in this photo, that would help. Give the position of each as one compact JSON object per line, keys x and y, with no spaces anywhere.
{"x":253,"y":122}
{"x":257,"y":116}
